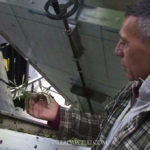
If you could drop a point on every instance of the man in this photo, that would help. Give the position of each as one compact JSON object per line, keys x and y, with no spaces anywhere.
{"x":126,"y":126}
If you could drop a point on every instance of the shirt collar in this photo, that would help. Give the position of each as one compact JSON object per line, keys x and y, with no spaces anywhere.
{"x":135,"y":88}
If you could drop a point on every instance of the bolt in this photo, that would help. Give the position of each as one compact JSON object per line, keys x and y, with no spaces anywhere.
{"x":32,"y":2}
{"x":1,"y":141}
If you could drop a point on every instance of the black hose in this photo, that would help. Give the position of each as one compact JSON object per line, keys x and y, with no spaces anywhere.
{"x":4,"y":81}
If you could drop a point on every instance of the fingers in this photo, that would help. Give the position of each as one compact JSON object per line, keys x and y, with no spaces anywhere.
{"x":32,"y":102}
{"x":40,"y":108}
{"x":31,"y":109}
{"x":36,"y":108}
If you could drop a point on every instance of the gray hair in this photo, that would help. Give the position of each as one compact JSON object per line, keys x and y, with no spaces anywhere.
{"x":141,"y":10}
{"x":143,"y":25}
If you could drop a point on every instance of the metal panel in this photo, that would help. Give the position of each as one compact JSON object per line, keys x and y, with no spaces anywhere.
{"x":11,"y":140}
{"x":6,"y":103}
{"x":45,"y":44}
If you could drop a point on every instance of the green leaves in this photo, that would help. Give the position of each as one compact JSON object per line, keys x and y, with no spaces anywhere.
{"x":21,"y":92}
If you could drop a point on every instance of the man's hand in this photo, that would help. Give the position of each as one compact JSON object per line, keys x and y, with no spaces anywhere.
{"x":42,"y":110}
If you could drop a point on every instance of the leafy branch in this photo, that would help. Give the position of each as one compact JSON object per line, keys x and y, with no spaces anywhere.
{"x":21,"y":92}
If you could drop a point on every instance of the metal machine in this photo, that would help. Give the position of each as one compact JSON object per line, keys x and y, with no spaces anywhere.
{"x":71,"y":43}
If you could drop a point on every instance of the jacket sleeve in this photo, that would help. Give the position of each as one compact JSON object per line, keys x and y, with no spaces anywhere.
{"x":73,"y":123}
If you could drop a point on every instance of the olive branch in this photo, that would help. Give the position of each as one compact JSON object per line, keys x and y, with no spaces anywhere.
{"x":21,"y":92}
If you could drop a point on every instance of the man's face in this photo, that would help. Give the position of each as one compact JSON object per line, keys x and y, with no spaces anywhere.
{"x":134,"y":53}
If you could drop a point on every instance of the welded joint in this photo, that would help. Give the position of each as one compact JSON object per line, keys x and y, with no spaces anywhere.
{"x":72,"y":27}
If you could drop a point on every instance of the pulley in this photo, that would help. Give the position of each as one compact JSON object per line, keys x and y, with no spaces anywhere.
{"x":62,"y":11}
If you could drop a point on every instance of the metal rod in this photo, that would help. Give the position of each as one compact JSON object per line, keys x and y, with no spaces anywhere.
{"x":68,"y":30}
{"x":78,"y":64}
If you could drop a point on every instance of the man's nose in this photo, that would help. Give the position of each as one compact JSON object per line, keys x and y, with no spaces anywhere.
{"x":119,"y":50}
